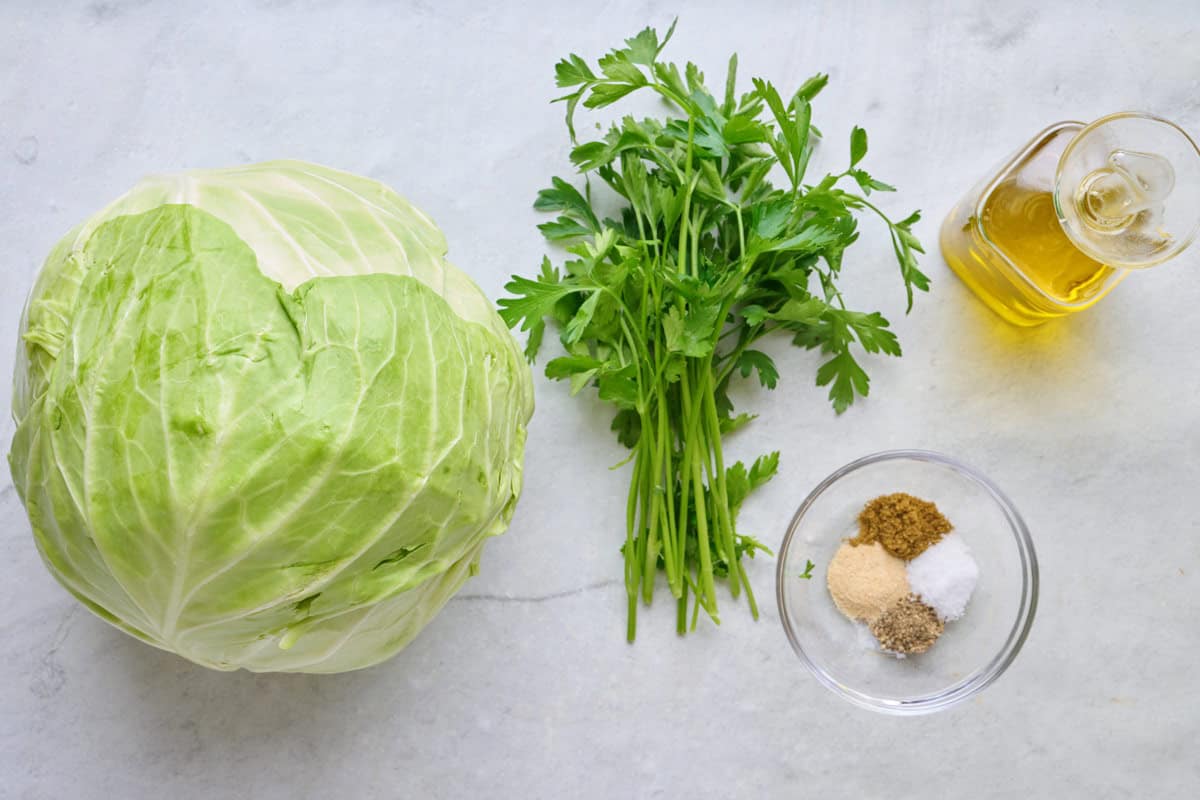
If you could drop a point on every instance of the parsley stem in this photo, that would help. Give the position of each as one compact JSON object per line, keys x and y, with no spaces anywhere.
{"x":685,"y":466}
{"x":631,"y":619}
{"x":697,"y":443}
{"x":648,"y":552}
{"x":749,"y":591}
{"x":666,"y":474}
{"x":631,"y":573}
{"x":719,"y":488}
{"x":681,"y":611}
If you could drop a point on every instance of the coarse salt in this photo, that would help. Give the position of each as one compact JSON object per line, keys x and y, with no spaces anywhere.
{"x":944,"y":576}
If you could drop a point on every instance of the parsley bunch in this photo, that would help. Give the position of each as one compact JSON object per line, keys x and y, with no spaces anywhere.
{"x":660,"y":307}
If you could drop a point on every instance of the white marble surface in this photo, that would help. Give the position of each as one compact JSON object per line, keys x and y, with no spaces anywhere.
{"x":524,"y":686}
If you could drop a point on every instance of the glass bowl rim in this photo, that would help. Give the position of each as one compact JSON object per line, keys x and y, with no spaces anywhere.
{"x":979,"y":679}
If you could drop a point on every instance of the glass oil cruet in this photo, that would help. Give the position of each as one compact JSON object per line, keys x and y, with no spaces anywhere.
{"x":1071,"y":213}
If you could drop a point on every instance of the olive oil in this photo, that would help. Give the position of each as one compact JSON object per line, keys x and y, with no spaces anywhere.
{"x":1021,"y":223}
{"x":1064,"y":219}
{"x":1010,"y":248}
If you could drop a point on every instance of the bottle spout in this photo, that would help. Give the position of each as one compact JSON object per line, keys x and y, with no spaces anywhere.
{"x":1130,"y":186}
{"x":1127,"y":190}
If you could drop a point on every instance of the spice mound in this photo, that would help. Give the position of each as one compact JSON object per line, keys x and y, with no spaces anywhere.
{"x":944,"y":576}
{"x":865,"y":581}
{"x":908,"y":627}
{"x":905,"y":574}
{"x":903,"y":524}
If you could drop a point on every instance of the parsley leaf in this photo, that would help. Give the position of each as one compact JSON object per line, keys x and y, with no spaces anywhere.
{"x":845,"y":378}
{"x":758,"y":361}
{"x":858,"y":145}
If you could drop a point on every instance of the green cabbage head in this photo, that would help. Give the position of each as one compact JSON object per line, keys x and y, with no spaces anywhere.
{"x":261,"y":421}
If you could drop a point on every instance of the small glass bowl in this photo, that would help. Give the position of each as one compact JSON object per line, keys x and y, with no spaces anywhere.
{"x":973,"y":651}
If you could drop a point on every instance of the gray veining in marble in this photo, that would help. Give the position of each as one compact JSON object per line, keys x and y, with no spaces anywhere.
{"x":524,"y":687}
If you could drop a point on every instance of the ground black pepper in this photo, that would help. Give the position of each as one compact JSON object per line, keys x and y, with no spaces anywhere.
{"x":908,"y":627}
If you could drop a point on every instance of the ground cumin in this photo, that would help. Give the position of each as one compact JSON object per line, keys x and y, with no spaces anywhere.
{"x":908,"y":627}
{"x":903,"y":524}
